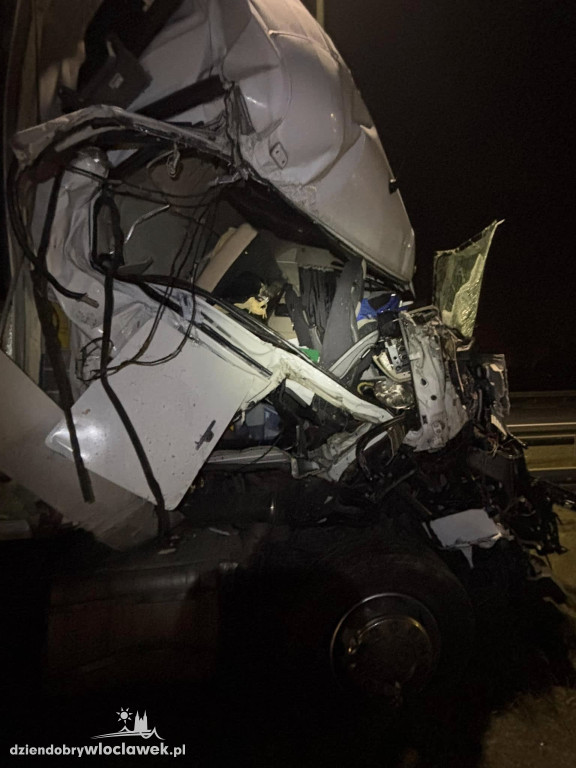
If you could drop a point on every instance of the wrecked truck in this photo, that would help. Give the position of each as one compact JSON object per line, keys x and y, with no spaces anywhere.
{"x":210,"y":255}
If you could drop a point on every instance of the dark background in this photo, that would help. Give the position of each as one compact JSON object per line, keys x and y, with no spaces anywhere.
{"x":473,"y":100}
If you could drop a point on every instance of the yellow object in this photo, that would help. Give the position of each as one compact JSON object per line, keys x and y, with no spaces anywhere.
{"x":63,"y":326}
{"x":255,"y":306}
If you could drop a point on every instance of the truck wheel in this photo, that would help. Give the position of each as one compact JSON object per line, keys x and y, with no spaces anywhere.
{"x":379,"y":617}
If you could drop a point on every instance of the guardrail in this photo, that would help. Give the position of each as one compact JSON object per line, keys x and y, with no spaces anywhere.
{"x":546,"y":423}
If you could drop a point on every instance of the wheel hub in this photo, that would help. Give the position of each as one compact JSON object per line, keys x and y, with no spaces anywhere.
{"x":385,"y":644}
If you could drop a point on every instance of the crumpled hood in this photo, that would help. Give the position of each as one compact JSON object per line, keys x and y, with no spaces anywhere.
{"x":302,"y":125}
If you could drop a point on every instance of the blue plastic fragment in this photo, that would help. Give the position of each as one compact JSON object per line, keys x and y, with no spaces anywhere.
{"x":367,"y":311}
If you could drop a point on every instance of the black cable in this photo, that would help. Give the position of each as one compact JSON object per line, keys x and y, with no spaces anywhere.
{"x":19,"y":230}
{"x":174,"y":273}
{"x":117,"y":184}
{"x":196,"y":249}
{"x":50,"y":332}
{"x":250,"y":464}
{"x":245,"y":319}
{"x":164,"y":301}
{"x":171,"y":282}
{"x":110,"y":268}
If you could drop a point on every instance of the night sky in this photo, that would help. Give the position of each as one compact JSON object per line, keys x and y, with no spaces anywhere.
{"x":474,"y":105}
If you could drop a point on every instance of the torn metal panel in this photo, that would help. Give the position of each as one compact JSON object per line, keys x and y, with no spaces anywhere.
{"x":339,"y":452}
{"x":117,"y":517}
{"x":179,"y":409}
{"x":497,"y":375}
{"x":284,"y":79}
{"x":220,"y":370}
{"x":86,"y":124}
{"x":442,"y":413}
{"x":458,"y":280}
{"x":289,"y":82}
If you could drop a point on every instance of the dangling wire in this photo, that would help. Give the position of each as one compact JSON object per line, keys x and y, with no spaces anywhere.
{"x":21,"y":235}
{"x":110,"y":268}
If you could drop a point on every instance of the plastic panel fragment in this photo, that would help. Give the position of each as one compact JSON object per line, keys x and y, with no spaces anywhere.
{"x":465,"y":529}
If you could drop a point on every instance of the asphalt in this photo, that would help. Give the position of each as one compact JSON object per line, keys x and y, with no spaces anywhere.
{"x":538,"y":730}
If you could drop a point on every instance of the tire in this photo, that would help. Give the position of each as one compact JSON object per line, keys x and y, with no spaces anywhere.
{"x":375,"y":614}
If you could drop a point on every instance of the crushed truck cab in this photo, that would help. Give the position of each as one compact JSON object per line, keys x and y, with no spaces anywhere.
{"x":210,"y":211}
